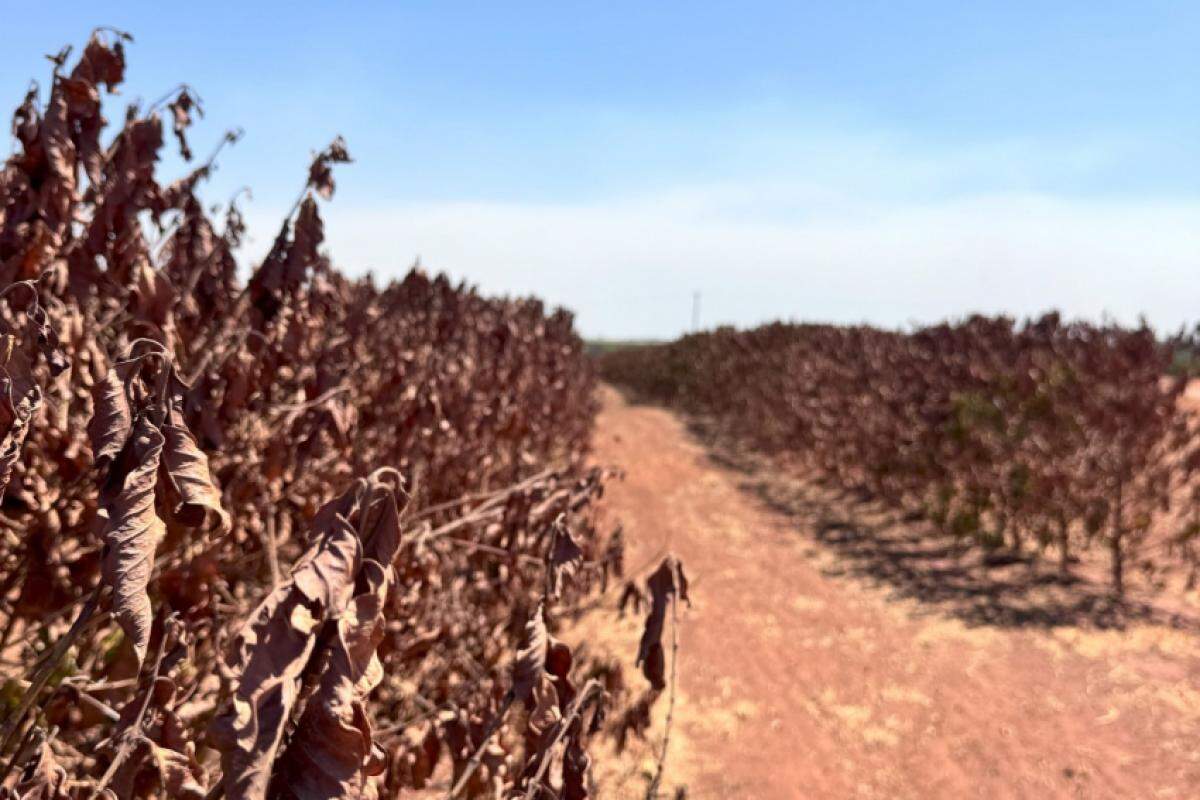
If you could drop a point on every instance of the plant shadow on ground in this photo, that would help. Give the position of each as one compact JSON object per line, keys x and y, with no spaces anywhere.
{"x":902,"y":554}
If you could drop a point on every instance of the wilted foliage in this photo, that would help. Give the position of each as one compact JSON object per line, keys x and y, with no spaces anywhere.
{"x":1045,"y":435}
{"x":665,"y":584}
{"x":280,"y":539}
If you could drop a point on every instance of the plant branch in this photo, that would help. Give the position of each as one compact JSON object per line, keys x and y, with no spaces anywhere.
{"x":477,"y":756}
{"x":43,"y":674}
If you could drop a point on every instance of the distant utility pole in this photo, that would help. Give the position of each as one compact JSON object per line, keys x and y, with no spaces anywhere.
{"x":695,"y":311}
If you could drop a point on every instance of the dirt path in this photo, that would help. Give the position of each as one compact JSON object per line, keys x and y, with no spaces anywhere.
{"x":798,"y":683}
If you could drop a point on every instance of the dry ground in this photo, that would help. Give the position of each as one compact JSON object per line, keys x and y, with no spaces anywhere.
{"x":832,"y":654}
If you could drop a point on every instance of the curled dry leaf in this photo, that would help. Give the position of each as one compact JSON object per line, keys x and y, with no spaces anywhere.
{"x":112,"y":420}
{"x":270,"y":655}
{"x":133,"y":531}
{"x":20,"y":414}
{"x":130,"y":455}
{"x":18,"y":428}
{"x":320,"y":173}
{"x":552,"y":696}
{"x":576,"y":763}
{"x":666,"y":582}
{"x":289,"y":263}
{"x":273,"y":651}
{"x":47,"y":340}
{"x":530,"y":664}
{"x":544,"y":710}
{"x":177,"y":772}
{"x":631,"y":597}
{"x":383,"y":502}
{"x":613,"y":563}
{"x":565,"y":556}
{"x":332,"y":753}
{"x":187,"y":469}
{"x":181,"y":118}
{"x":42,"y":779}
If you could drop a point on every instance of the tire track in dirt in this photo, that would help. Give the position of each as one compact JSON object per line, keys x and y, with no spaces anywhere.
{"x":794,"y":683}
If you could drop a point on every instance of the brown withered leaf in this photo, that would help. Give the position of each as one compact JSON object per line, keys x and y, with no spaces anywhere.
{"x":553,"y":701}
{"x":102,"y":63}
{"x":187,"y":468}
{"x":18,"y":429}
{"x":47,"y":339}
{"x":320,"y":173}
{"x":153,"y":297}
{"x":635,"y":719}
{"x":575,"y":765}
{"x":530,"y":664}
{"x":331,"y":754}
{"x":632,"y":597}
{"x":177,"y":773}
{"x":60,"y":182}
{"x":565,"y":556}
{"x":133,"y":532}
{"x":307,"y":235}
{"x":293,"y":255}
{"x":43,"y":778}
{"x":383,"y":501}
{"x":559,"y":660}
{"x":272,"y":650}
{"x":613,"y":563}
{"x":666,"y":582}
{"x":112,"y":419}
{"x":325,"y":576}
{"x":181,"y":118}
{"x":27,"y":118}
{"x":544,"y":708}
{"x":681,"y":583}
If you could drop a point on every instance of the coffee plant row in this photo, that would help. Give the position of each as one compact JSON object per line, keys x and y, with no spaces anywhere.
{"x":301,"y":536}
{"x":1046,"y":437}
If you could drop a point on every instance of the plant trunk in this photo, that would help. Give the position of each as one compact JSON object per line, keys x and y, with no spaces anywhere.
{"x":1118,"y":566}
{"x":1117,"y":546}
{"x":1064,"y":548}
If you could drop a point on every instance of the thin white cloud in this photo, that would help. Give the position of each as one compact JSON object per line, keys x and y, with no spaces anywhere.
{"x":859,"y":233}
{"x":629,"y":268}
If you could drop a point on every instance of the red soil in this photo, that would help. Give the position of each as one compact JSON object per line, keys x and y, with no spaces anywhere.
{"x":809,"y":670}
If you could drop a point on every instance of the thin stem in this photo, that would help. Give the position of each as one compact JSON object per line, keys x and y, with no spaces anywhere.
{"x":499,"y":552}
{"x":129,"y":735}
{"x":179,"y":88}
{"x":490,"y":496}
{"x":589,"y":689}
{"x":462,"y":522}
{"x":477,"y":756}
{"x":23,"y":747}
{"x":652,"y":790}
{"x":30,"y":285}
{"x":43,"y":675}
{"x":272,"y":548}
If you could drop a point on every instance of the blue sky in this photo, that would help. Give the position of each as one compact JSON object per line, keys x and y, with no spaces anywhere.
{"x":882,"y":161}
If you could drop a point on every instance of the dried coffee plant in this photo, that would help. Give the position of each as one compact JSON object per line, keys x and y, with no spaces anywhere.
{"x":299,"y":537}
